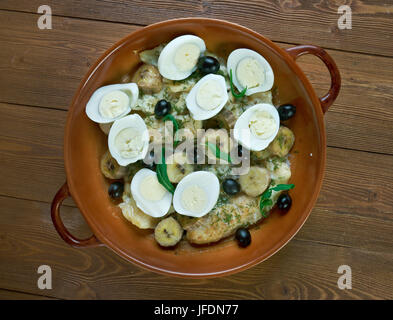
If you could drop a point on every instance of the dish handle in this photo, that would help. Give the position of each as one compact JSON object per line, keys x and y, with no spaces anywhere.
{"x":328,"y":99}
{"x":60,"y":196}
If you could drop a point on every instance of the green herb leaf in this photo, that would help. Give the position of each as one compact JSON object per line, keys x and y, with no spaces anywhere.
{"x":227,"y":218}
{"x":219,"y":154}
{"x":281,"y":187}
{"x":267,"y":194}
{"x":174,"y":121}
{"x":241,"y":94}
{"x":176,"y":126}
{"x":162,"y":174}
{"x":266,"y":201}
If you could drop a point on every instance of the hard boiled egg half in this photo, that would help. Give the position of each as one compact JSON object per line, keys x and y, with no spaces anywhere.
{"x":257,"y":126}
{"x":251,"y":70}
{"x":128,"y":139}
{"x":149,"y":195}
{"x":112,"y":102}
{"x":196,"y":194}
{"x":207,"y":97}
{"x":179,"y":57}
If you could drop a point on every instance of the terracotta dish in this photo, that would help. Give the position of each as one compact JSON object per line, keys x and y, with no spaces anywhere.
{"x":84,"y":144}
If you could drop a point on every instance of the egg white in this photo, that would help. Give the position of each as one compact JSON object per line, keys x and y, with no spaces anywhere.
{"x":243,"y":134}
{"x":92,"y":106}
{"x":154,"y":209}
{"x":132,"y":121}
{"x":198,"y":113}
{"x":166,"y":64}
{"x":237,"y":56}
{"x":206,"y":181}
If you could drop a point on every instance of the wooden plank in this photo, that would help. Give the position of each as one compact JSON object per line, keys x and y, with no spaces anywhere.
{"x":301,"y":270}
{"x":44,"y":67}
{"x":355,"y":122}
{"x":313,"y":22}
{"x":16,"y":295}
{"x":31,"y":167}
{"x":31,"y":151}
{"x":361,"y":117}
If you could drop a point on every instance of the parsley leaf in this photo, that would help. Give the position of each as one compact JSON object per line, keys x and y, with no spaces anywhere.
{"x":241,"y":94}
{"x":162,"y":174}
{"x":266,"y":200}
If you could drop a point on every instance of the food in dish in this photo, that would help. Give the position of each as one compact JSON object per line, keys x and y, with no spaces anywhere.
{"x":128,"y":139}
{"x":196,"y":194}
{"x":112,"y":102}
{"x":250,"y":70}
{"x":197,"y":150}
{"x":150,"y":196}
{"x":257,"y":126}
{"x":178,"y":59}
{"x":207,"y":97}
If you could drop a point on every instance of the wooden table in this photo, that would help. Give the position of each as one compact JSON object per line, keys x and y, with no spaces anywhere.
{"x":352,"y":223}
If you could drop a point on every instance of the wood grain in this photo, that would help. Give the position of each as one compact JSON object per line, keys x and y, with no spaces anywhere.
{"x":51,"y":64}
{"x":295,"y":21}
{"x":303,"y":269}
{"x":351,"y":223}
{"x":42,"y":68}
{"x":17,"y":295}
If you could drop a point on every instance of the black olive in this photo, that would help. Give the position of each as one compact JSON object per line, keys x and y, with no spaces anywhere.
{"x":286,"y":111}
{"x":162,"y":108}
{"x":148,"y":161}
{"x":115,"y":190}
{"x":231,"y":186}
{"x":239,"y":150}
{"x":199,"y":155}
{"x":208,"y":64}
{"x":284,"y":202}
{"x":243,"y":153}
{"x":243,"y":237}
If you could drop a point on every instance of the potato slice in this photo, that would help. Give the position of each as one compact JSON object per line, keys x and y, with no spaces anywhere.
{"x":148,"y":79}
{"x":136,"y":216}
{"x":255,"y":182}
{"x":283,"y":142}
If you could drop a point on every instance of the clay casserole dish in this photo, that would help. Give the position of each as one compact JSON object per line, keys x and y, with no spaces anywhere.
{"x":84,"y":144}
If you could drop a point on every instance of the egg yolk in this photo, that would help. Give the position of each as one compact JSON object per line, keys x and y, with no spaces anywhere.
{"x":194,"y":199}
{"x":113,"y":104}
{"x":129,"y":143}
{"x":262,"y":125}
{"x":250,"y":73}
{"x":209,"y":95}
{"x":186,"y":57}
{"x":151,"y":189}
